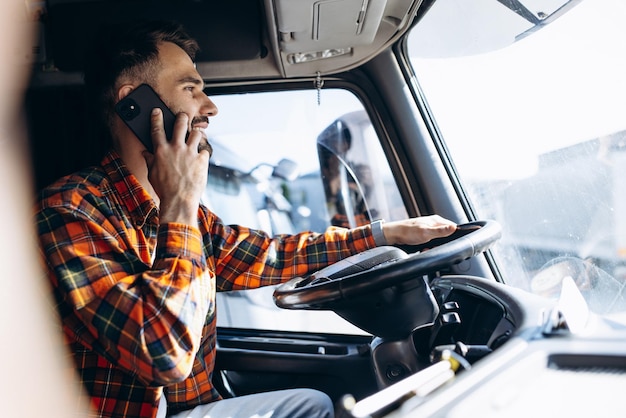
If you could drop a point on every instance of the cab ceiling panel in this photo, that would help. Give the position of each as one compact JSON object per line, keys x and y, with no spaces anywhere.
{"x":226,"y":30}
{"x":306,"y":25}
{"x":329,"y":36}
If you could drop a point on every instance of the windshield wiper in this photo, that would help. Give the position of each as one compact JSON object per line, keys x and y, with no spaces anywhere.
{"x":520,"y":9}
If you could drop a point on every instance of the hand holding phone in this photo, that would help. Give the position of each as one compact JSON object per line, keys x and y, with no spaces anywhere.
{"x":135,"y":110}
{"x":169,"y":170}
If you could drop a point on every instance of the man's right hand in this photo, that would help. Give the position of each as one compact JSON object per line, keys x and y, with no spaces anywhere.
{"x":177,"y":170}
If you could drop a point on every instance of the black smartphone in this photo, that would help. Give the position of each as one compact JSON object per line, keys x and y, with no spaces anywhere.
{"x":135,"y":110}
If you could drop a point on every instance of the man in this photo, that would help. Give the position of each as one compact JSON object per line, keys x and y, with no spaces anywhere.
{"x":135,"y":260}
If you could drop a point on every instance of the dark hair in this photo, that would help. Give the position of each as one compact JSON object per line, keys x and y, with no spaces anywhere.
{"x":127,"y":51}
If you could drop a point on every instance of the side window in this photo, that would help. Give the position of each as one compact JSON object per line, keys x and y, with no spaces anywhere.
{"x":284,"y":164}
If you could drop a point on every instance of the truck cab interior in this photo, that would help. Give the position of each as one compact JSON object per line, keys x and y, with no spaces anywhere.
{"x":338,"y":113}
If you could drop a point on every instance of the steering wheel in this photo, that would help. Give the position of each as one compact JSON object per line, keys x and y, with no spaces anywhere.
{"x":383,"y":267}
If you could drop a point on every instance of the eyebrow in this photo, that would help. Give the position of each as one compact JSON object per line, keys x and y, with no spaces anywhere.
{"x":191,"y":79}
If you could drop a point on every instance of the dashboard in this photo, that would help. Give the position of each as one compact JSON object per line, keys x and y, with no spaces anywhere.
{"x":521,"y":366}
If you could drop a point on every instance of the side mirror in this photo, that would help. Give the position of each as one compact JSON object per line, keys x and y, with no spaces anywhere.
{"x":286,"y":169}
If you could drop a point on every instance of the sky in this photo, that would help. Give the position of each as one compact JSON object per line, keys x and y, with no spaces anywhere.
{"x":572,"y":87}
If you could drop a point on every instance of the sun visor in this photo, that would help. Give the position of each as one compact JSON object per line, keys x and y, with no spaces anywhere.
{"x":226,"y":30}
{"x":327,"y":23}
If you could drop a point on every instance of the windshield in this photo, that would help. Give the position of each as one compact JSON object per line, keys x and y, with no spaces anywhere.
{"x":535,"y":124}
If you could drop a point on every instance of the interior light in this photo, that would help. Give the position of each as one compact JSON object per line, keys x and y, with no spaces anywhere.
{"x":300,"y":57}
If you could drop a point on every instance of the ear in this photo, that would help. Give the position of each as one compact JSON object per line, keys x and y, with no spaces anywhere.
{"x":124,"y":90}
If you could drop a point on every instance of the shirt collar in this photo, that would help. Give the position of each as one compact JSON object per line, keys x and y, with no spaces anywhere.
{"x":137,"y":200}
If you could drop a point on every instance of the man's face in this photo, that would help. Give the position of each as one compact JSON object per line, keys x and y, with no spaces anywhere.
{"x":180,"y":86}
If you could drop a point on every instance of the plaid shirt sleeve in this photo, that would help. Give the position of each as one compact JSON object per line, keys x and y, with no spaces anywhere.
{"x":146,"y":319}
{"x":246,"y":258}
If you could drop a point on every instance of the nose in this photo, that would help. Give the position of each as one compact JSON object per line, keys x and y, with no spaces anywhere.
{"x":208,"y":107}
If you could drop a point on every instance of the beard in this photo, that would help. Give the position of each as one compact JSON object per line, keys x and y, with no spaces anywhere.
{"x":204,"y":142}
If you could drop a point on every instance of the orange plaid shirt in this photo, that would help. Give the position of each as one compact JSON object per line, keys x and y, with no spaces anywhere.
{"x":137,"y":299}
